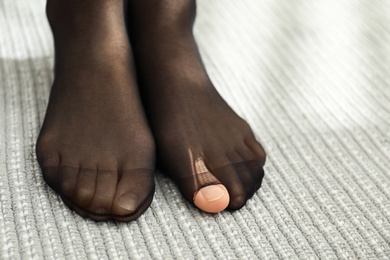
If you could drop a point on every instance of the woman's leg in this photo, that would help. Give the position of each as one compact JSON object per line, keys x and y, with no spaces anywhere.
{"x":201,"y":142}
{"x":95,"y":147}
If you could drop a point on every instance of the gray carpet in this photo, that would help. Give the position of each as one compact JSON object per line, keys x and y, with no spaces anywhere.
{"x":311,"y":77}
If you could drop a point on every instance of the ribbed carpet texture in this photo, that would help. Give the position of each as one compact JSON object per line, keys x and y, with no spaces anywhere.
{"x":313,"y":80}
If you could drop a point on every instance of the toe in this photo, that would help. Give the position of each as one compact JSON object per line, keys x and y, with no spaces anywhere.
{"x":247,"y":178}
{"x":257,"y":171}
{"x":51,"y":176}
{"x":252,"y":165}
{"x":212,"y":198}
{"x":237,"y":202}
{"x":68,"y":180}
{"x":257,"y":150}
{"x":201,"y":187}
{"x":230,"y":178}
{"x":106,"y":181}
{"x":85,"y":188}
{"x":134,"y":194}
{"x":50,"y":165}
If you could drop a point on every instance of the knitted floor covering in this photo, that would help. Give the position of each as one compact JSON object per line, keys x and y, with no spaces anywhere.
{"x":313,"y":80}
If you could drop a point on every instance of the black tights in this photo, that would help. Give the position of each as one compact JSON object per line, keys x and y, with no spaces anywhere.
{"x":130,"y":91}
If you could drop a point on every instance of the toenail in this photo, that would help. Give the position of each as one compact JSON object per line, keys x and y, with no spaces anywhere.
{"x":212,"y":192}
{"x":128,"y":202}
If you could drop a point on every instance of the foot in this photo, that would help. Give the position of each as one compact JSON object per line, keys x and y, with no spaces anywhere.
{"x":209,"y":151}
{"x":95,"y":147}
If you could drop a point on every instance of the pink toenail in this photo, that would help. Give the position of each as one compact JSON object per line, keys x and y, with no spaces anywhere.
{"x":212,"y":192}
